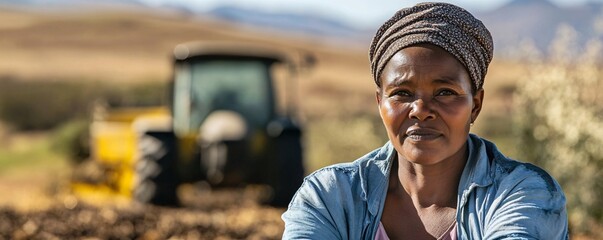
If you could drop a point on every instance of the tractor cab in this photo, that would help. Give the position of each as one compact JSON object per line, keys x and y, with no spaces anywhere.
{"x":213,"y":77}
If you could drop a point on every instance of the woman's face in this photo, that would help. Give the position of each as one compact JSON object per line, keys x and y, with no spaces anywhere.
{"x":426,"y":104}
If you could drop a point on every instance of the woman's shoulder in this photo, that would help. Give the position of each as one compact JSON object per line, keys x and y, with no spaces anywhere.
{"x":504,"y":168}
{"x":346,"y":179}
{"x":523,"y":173}
{"x":325,"y":188}
{"x":333,"y":175}
{"x":513,"y":174}
{"x":527,"y":173}
{"x":346,"y":171}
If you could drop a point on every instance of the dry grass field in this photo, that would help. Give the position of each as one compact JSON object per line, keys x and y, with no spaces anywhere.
{"x":125,"y":46}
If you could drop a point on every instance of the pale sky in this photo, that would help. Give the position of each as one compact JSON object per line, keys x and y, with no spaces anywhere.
{"x":361,"y":13}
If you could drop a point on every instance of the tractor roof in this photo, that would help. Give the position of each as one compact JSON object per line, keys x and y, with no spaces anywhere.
{"x":229,"y":49}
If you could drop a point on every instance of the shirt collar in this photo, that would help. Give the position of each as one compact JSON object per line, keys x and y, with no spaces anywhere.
{"x":477,"y":169}
{"x":374,"y":173}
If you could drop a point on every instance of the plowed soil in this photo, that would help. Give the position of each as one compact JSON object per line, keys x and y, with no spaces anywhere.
{"x":204,"y":214}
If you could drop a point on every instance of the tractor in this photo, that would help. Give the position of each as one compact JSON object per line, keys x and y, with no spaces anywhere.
{"x":225,"y":123}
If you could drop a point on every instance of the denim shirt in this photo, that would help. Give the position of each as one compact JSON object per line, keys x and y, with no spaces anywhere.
{"x":498,"y":198}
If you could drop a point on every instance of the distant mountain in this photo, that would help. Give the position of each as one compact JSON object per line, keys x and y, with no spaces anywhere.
{"x":538,"y":21}
{"x":309,"y":24}
{"x":530,"y":3}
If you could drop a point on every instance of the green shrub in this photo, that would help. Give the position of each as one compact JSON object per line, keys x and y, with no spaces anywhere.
{"x":29,"y":105}
{"x":45,"y":104}
{"x":71,"y":139}
{"x":559,"y":126}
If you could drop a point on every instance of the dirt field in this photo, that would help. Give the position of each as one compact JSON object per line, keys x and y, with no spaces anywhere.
{"x":223,"y":214}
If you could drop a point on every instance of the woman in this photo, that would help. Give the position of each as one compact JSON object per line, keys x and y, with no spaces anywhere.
{"x":432,"y":180}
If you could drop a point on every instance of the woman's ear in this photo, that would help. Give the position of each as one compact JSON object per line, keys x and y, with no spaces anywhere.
{"x":378,"y":96}
{"x":478,"y":99}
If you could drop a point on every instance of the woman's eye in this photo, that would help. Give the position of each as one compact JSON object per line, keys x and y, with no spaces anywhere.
{"x":402,"y":94}
{"x":446,"y":92}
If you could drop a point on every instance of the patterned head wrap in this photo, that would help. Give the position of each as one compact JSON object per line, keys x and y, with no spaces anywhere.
{"x":444,"y":25}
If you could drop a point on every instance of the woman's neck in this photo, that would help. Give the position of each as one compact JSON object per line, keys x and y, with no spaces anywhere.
{"x":432,"y":185}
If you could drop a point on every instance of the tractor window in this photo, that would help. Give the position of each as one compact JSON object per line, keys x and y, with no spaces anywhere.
{"x":241,"y":86}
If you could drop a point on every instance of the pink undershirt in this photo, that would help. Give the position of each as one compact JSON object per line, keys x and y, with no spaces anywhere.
{"x":382,"y":235}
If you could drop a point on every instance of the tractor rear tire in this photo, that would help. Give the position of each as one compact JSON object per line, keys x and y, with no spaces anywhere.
{"x":156,"y":172}
{"x":289,"y":158}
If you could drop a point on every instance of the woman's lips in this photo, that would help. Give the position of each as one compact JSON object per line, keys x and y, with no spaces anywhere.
{"x":422,"y":134}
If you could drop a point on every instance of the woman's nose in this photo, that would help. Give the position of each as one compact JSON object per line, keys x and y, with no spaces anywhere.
{"x":421,"y":110}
